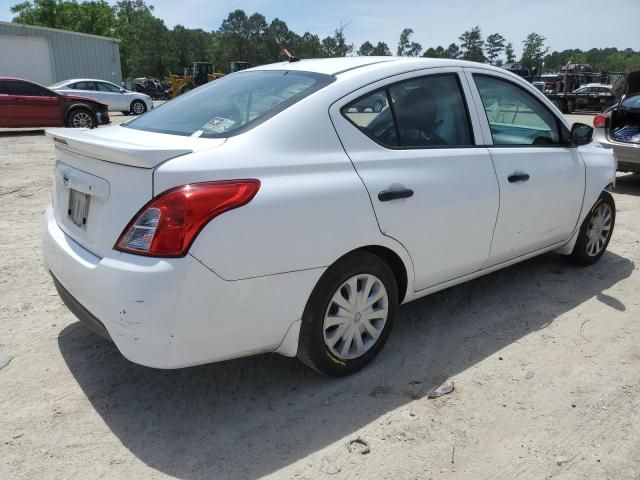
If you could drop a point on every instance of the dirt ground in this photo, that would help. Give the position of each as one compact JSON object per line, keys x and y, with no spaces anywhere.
{"x":544,"y":356}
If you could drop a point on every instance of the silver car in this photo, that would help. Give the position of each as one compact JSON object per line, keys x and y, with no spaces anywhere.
{"x":117,"y":98}
{"x":619,"y":126}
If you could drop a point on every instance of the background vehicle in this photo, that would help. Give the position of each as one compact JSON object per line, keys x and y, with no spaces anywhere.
{"x":117,"y":98}
{"x":27,"y":104}
{"x":262,"y":213}
{"x":619,"y":126}
{"x":200,"y":73}
{"x":593,"y":96}
{"x":153,"y":87}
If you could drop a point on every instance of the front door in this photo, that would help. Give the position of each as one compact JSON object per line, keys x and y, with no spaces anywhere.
{"x":541,"y":178}
{"x":112,"y":96}
{"x":432,"y":188}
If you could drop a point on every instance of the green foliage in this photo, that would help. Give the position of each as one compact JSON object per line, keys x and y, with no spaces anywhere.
{"x":472,"y":44}
{"x":407,"y":48}
{"x":533,"y":51}
{"x":97,"y":17}
{"x":367,"y":49}
{"x":149,"y":48}
{"x":509,"y":53}
{"x":494,"y":46}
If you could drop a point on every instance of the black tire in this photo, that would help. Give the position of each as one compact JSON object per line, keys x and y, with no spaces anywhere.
{"x":81,"y":118}
{"x":360,"y":109}
{"x":581,"y":255}
{"x":138,"y":107}
{"x":312,"y":348}
{"x":185,"y":88}
{"x":378,"y":106}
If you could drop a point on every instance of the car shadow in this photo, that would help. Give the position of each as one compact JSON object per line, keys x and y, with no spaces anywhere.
{"x":628,"y":184}
{"x":250,"y":417}
{"x":21,"y":133}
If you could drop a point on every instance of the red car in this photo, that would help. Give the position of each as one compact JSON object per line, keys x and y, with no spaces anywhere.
{"x":27,"y":104}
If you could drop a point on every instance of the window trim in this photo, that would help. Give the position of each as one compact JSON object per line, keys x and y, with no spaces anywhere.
{"x":563,"y":133}
{"x":386,"y":87}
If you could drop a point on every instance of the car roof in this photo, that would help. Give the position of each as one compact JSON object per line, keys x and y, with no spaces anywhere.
{"x":73,"y":80}
{"x":336,"y":66}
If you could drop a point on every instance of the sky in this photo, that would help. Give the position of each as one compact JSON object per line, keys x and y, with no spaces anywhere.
{"x":566,"y":24}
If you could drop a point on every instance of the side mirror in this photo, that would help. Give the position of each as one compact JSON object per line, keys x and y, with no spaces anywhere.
{"x":122,"y":90}
{"x":581,"y":134}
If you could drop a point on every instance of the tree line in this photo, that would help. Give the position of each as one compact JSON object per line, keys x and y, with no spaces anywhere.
{"x":149,"y":48}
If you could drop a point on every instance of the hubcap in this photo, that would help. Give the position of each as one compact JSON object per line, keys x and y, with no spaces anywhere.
{"x":598,"y":230}
{"x":138,"y":108}
{"x":356,"y":316}
{"x":82,"y":120}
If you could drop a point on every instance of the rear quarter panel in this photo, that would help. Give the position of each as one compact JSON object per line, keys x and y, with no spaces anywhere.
{"x":311,"y":208}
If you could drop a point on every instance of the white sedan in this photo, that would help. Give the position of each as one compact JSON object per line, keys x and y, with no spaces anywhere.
{"x":117,"y":98}
{"x":263,"y":213}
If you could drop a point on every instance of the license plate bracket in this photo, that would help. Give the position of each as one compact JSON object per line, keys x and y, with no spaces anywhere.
{"x":78,"y":210}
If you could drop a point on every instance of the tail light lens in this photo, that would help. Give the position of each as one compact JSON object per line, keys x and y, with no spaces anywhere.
{"x":168,"y":224}
{"x":599,"y":120}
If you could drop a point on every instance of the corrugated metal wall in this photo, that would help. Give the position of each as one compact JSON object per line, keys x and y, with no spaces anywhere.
{"x":74,"y":55}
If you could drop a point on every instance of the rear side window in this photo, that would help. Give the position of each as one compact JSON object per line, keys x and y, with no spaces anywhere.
{"x":232,"y":104}
{"x":17,"y":87}
{"x":418,"y":113}
{"x":3,"y":88}
{"x":515,"y":116}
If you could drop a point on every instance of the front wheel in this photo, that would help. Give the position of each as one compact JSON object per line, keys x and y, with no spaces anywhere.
{"x":138,"y":107}
{"x":378,"y":106}
{"x":595,"y":232}
{"x":81,"y":118}
{"x":349,"y":315}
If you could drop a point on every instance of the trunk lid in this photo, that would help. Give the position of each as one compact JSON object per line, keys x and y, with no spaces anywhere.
{"x":102,"y":178}
{"x":627,"y":84}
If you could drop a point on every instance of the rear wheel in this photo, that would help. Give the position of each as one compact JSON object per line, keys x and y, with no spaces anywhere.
{"x":138,"y":107}
{"x":349,"y":315}
{"x":595,"y":232}
{"x":81,"y":118}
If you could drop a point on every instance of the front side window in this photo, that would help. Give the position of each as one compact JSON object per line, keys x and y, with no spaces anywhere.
{"x":515,"y":116}
{"x":84,"y":86}
{"x":231,"y":104}
{"x":424,"y":112}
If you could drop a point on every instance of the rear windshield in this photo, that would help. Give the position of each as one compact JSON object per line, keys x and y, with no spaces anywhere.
{"x":232,"y":104}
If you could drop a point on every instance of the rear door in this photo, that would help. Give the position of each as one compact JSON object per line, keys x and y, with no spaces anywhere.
{"x":86,"y":89}
{"x":34,"y":106}
{"x":541,"y":179}
{"x":431,"y":183}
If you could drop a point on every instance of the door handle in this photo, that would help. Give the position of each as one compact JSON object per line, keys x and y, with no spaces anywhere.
{"x":387,"y":195}
{"x":518,"y":177}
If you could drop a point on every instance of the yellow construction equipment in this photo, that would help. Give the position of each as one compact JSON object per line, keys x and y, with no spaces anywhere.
{"x":198,"y":74}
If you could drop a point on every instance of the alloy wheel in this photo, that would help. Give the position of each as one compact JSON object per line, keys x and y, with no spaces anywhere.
{"x":82,"y":120}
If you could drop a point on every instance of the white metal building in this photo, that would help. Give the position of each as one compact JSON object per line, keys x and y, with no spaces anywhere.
{"x":47,"y":55}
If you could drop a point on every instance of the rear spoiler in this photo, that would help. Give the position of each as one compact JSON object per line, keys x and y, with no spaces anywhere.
{"x":81,"y":141}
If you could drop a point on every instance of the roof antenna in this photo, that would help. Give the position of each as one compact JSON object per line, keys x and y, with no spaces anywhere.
{"x":292,"y":58}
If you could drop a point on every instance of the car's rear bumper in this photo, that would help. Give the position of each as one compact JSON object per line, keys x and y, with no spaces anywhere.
{"x":172,"y":313}
{"x":627,"y":154}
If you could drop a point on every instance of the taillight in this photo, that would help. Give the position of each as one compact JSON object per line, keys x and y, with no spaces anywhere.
{"x":599,"y":120}
{"x":168,"y":224}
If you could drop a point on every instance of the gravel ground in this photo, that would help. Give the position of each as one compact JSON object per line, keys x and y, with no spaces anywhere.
{"x":544,"y":357}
